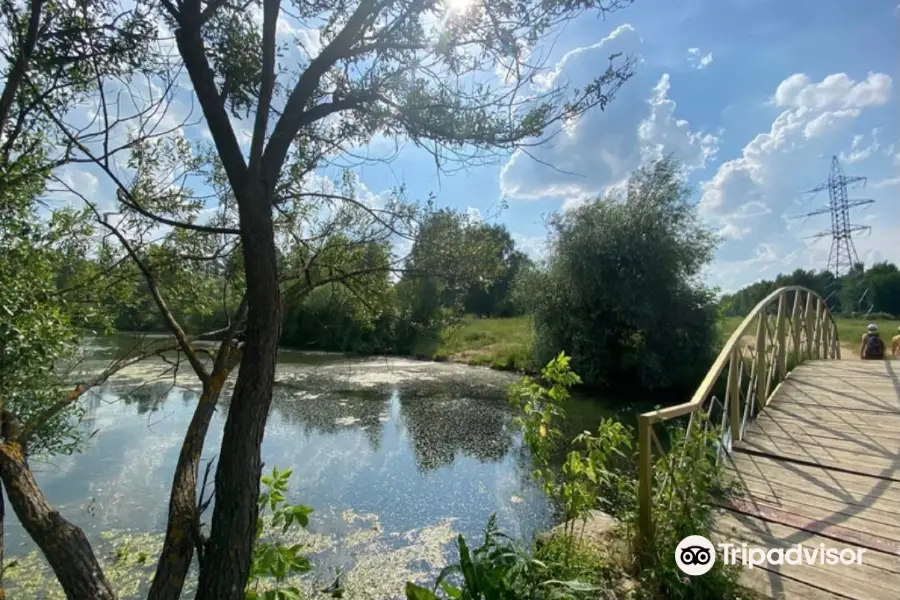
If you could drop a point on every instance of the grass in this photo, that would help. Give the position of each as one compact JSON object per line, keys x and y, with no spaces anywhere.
{"x":505,"y":344}
{"x":849,"y":332}
{"x":497,"y":343}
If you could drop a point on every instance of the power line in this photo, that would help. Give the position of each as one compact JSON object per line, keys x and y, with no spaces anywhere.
{"x":842,"y":259}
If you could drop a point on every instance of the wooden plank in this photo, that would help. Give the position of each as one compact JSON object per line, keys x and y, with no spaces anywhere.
{"x":774,"y":585}
{"x":862,"y":582}
{"x":866,"y":533}
{"x":877,"y":510}
{"x":855,"y":420}
{"x":885,"y":468}
{"x":765,"y":421}
{"x":733,"y":526}
{"x":814,"y":478}
{"x":845,"y":535}
{"x":836,"y":396}
{"x":823,"y":445}
{"x":817,"y":440}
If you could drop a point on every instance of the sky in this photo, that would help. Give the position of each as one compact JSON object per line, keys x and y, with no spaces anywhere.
{"x":754,"y":97}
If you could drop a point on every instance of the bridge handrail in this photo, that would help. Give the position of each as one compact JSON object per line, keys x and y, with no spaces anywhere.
{"x":813,"y":335}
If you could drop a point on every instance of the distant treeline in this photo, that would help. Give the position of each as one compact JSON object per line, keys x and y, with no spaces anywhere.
{"x":861,"y":291}
{"x":383,"y":305}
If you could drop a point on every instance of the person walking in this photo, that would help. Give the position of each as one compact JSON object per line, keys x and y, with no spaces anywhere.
{"x":871,"y":346}
{"x":895,"y":345}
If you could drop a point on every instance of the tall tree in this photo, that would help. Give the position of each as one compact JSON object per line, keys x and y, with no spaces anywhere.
{"x":622,"y":292}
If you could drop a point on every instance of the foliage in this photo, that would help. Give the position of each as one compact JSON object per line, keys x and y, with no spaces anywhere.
{"x":574,"y":559}
{"x":273,"y":562}
{"x":493,"y":298}
{"x":584,"y":476}
{"x":39,"y":334}
{"x":861,"y":291}
{"x":499,"y":569}
{"x":688,"y":482}
{"x":621,"y":292}
{"x":503,"y":343}
{"x":446,"y":260}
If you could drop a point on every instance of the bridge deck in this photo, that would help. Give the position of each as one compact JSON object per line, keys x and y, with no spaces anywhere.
{"x":821,"y":465}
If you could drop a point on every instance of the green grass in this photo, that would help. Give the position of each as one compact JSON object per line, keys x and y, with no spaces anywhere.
{"x":849,"y":330}
{"x":506,"y":343}
{"x":497,"y":343}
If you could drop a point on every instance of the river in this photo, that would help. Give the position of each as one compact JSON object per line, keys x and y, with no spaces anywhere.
{"x":396,"y":457}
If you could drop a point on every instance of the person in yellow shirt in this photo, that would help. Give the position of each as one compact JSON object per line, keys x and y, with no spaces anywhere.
{"x":895,"y":345}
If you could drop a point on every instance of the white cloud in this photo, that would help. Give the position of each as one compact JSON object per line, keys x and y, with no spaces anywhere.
{"x":752,"y":199}
{"x":859,"y":150}
{"x":698,"y":60}
{"x":766,"y":173}
{"x":889,"y":182}
{"x":601,"y":149}
{"x":535,"y":246}
{"x":837,"y":91}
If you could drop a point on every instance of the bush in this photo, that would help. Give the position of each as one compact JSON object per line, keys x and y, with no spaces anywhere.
{"x":621,"y":292}
{"x":499,"y":569}
{"x":689,"y":480}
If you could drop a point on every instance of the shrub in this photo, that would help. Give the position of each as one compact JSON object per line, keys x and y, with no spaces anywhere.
{"x":621,"y":292}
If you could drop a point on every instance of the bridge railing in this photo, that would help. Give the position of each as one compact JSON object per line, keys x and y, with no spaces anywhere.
{"x":789,"y":326}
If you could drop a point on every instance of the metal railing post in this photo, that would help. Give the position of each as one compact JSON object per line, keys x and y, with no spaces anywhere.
{"x":817,"y":337}
{"x":795,"y":328}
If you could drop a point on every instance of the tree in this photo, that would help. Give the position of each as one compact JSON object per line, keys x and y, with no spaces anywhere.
{"x":382,"y":69}
{"x":493,"y":298}
{"x":450,"y":255}
{"x":621,"y":292}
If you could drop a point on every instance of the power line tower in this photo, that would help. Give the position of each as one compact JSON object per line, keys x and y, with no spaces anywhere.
{"x":842,"y":259}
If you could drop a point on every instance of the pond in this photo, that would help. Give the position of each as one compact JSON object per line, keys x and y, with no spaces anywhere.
{"x":396,"y":457}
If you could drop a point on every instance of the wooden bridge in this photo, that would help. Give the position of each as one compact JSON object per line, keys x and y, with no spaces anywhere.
{"x":813,"y":444}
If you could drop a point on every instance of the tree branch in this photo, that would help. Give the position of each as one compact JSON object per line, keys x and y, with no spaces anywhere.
{"x":17,"y":73}
{"x":267,"y":86}
{"x":193,"y":53}
{"x":292,"y":118}
{"x":35,"y":423}
{"x":183,"y":342}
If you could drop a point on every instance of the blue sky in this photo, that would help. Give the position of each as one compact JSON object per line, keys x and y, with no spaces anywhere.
{"x":753,"y":96}
{"x":719,"y":115}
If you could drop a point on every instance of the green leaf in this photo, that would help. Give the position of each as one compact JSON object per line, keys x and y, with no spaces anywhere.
{"x":415,"y":592}
{"x":290,"y":593}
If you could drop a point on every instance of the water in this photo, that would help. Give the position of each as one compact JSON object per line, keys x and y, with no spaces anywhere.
{"x":396,"y":457}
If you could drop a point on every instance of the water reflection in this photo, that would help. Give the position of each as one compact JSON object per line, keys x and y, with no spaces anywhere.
{"x":412,"y":454}
{"x":441,"y":428}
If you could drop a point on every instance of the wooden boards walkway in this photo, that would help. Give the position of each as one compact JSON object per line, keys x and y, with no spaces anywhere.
{"x":821,"y":465}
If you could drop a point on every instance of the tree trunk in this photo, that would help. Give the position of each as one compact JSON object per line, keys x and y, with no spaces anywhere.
{"x":224,"y":573}
{"x":178,"y":548}
{"x":65,"y":546}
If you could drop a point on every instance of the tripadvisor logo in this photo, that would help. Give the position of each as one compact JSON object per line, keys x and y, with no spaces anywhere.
{"x":696,"y":555}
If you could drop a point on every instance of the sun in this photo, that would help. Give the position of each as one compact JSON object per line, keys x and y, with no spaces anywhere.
{"x":457,"y":6}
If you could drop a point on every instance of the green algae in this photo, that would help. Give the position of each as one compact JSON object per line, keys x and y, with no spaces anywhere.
{"x":377,"y":564}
